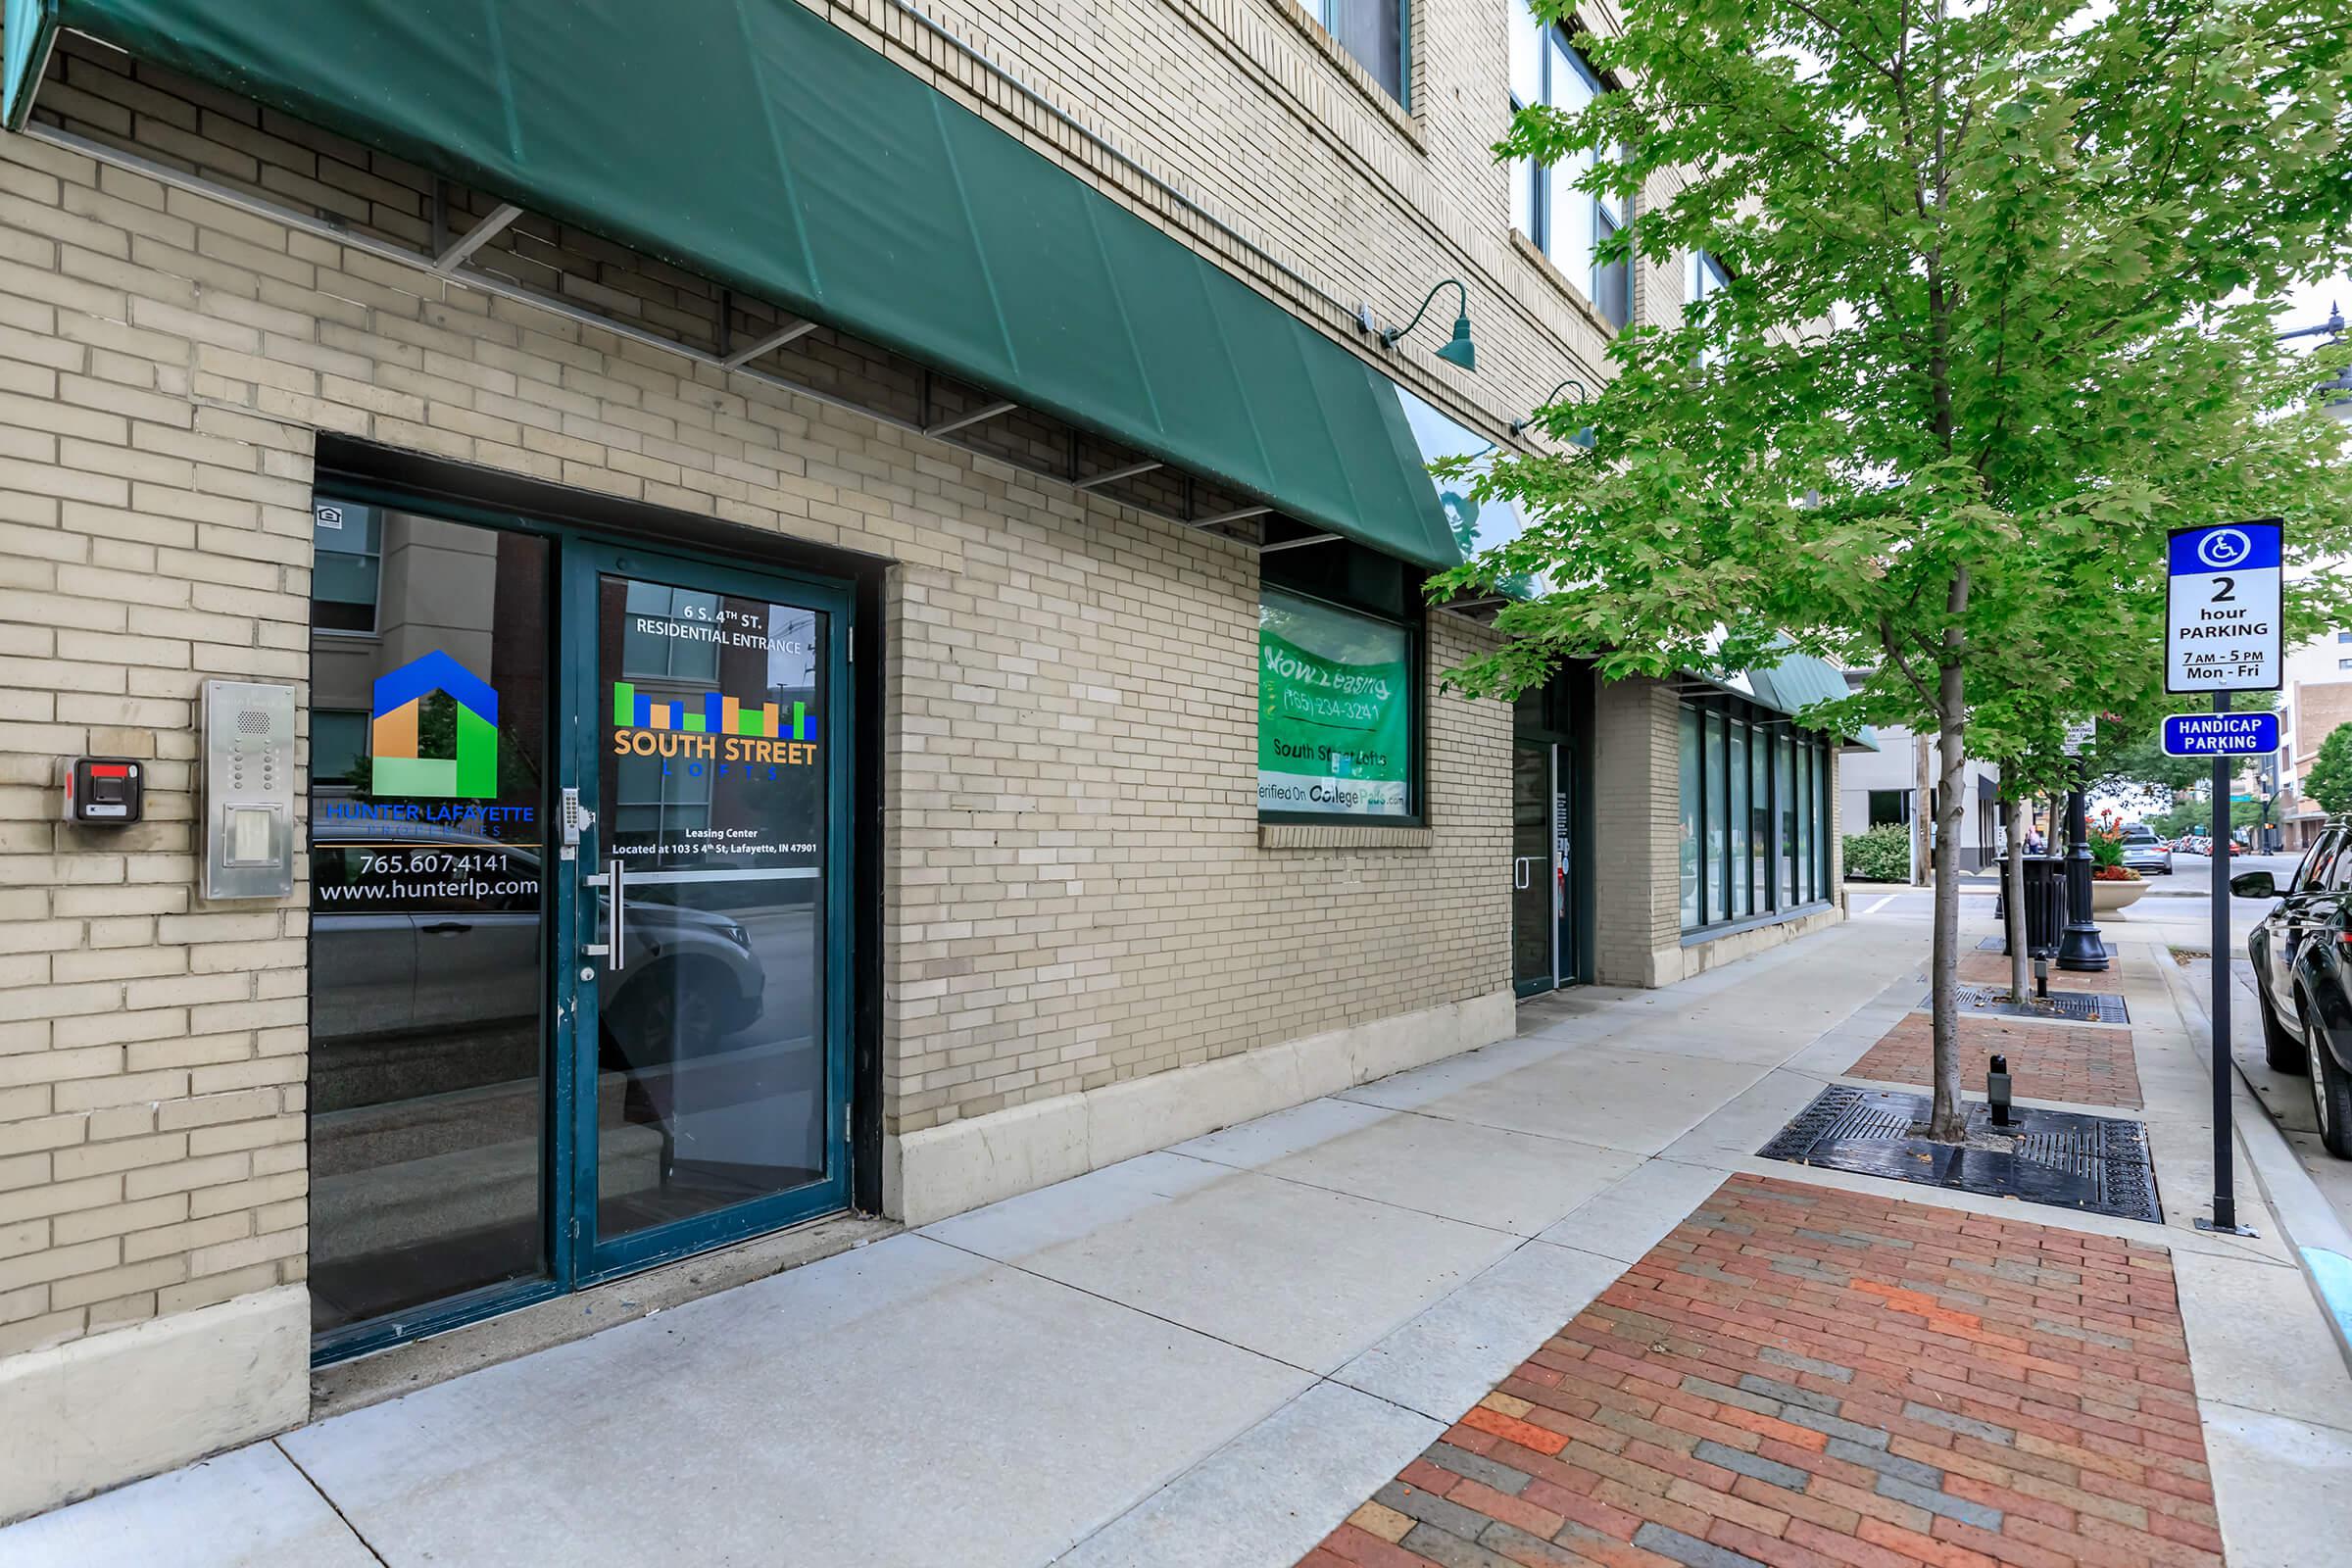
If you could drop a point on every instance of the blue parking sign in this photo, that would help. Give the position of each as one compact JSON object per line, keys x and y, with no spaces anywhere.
{"x":2222,"y":607}
{"x":2220,"y":734}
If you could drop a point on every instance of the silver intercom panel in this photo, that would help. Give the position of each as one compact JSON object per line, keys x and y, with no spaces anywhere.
{"x":248,"y":790}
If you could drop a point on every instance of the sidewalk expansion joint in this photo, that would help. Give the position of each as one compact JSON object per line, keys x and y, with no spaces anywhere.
{"x":312,"y":1482}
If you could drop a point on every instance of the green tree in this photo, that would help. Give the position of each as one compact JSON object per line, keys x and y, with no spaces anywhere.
{"x":1975,"y":356}
{"x":2135,"y":753}
{"x":2330,"y":781}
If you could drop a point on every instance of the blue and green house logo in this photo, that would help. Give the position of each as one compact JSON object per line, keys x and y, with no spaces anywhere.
{"x":471,"y":772}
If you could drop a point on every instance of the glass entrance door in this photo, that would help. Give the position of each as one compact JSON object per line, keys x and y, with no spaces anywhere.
{"x":712,"y":1102}
{"x":580,"y":884}
{"x":1543,"y":934}
{"x":1566,"y":946}
{"x":1535,"y":913}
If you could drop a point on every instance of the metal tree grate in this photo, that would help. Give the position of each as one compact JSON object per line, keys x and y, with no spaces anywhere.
{"x":2096,"y":1163}
{"x":2072,"y":1006}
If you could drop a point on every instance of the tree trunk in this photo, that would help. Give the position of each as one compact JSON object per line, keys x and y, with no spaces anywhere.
{"x":1948,"y":1121}
{"x":1922,"y":842}
{"x":2020,"y":980}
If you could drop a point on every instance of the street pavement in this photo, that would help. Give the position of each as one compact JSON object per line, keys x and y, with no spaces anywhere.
{"x":1237,"y":1351}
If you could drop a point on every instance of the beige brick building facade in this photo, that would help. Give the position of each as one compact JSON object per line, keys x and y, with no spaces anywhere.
{"x":1090,"y":944}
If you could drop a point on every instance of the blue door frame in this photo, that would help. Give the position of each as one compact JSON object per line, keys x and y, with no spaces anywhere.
{"x":577,"y":1256}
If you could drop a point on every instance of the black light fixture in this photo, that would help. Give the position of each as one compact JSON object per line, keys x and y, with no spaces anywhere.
{"x":1997,"y":1091}
{"x":1583,"y":438}
{"x":1459,"y":350}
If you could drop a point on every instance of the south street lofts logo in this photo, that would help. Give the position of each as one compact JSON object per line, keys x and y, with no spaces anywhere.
{"x":710,"y":727}
{"x":470,"y":770}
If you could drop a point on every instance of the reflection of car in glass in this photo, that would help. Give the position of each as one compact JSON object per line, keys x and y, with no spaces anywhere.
{"x":419,"y":928}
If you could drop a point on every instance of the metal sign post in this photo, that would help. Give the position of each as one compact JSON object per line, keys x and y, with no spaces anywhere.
{"x":2222,"y":635}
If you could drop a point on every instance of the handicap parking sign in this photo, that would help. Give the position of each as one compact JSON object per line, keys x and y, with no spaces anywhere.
{"x":2222,"y":607}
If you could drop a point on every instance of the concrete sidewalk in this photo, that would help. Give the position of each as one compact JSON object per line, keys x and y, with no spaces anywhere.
{"x":1213,"y":1354}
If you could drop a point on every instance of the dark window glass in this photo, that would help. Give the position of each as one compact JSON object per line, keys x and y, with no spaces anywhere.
{"x":1719,"y":819}
{"x":1612,"y":281}
{"x":1804,"y":823}
{"x":427,"y":1094}
{"x":346,"y":566}
{"x":1687,"y":850}
{"x":1373,"y":32}
{"x":712,"y":1081}
{"x":338,"y":745}
{"x":1784,"y":772}
{"x":1738,"y":819}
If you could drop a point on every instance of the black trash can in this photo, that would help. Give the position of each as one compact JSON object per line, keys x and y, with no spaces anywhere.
{"x":2046,"y":905}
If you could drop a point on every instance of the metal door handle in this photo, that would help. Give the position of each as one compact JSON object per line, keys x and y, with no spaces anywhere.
{"x":443,"y":928}
{"x":1521,"y":876}
{"x":613,"y":948}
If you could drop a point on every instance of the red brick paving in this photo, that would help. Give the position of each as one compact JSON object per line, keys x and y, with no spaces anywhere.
{"x":1992,"y":969}
{"x":1805,"y":1378}
{"x":2088,"y":1064}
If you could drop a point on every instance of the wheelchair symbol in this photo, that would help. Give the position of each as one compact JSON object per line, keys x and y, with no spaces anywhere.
{"x":2224,"y":548}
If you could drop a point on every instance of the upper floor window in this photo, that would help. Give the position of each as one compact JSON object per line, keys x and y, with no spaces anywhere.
{"x":1371,"y":31}
{"x":1567,"y":224}
{"x":1706,"y":276}
{"x":1703,"y":276}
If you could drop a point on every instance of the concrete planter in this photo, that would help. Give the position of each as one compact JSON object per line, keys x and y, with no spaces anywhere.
{"x":2112,"y":897}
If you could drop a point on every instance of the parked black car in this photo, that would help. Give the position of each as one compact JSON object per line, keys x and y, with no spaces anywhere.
{"x":2302,"y":952}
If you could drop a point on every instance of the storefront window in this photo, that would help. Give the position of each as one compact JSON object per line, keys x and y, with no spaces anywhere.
{"x":1753,"y":795}
{"x":1337,"y":722}
{"x":1741,"y":900}
{"x":1687,"y":844}
{"x":1805,"y":888}
{"x":1759,"y":819}
{"x":1718,"y":821}
{"x":1784,"y":767}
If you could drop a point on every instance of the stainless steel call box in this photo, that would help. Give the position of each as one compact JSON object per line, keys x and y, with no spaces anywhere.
{"x":248,"y":790}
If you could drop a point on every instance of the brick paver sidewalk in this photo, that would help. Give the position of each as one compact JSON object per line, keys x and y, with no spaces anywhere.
{"x":1807,"y":1378}
{"x":2086,"y":1064}
{"x":1992,"y":969}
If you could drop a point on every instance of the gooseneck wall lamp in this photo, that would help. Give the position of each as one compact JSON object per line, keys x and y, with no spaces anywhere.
{"x":1546,"y":401}
{"x":1459,"y":350}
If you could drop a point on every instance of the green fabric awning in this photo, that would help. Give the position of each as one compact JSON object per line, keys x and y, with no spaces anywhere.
{"x":755,"y":143}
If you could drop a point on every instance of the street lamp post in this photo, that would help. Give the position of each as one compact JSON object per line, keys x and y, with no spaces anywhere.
{"x":2078,"y":947}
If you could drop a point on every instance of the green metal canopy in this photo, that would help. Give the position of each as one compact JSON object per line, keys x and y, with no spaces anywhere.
{"x":755,"y":143}
{"x":1798,"y":681}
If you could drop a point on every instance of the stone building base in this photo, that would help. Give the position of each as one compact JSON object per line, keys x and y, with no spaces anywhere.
{"x":1679,"y":962}
{"x":939,"y":1171}
{"x":96,"y":1412}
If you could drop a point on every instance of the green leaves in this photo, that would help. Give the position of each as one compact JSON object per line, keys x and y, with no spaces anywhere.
{"x":2330,"y":781}
{"x":1977,"y":325}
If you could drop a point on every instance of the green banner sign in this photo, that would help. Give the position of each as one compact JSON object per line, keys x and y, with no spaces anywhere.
{"x":1334,"y":722}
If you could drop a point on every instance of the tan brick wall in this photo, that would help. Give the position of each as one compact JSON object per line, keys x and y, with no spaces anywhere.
{"x":1637,"y":821}
{"x":1248,"y":107}
{"x":1076,"y":888}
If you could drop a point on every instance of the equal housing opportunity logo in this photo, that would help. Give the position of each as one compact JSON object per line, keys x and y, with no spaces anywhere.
{"x":470,"y":771}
